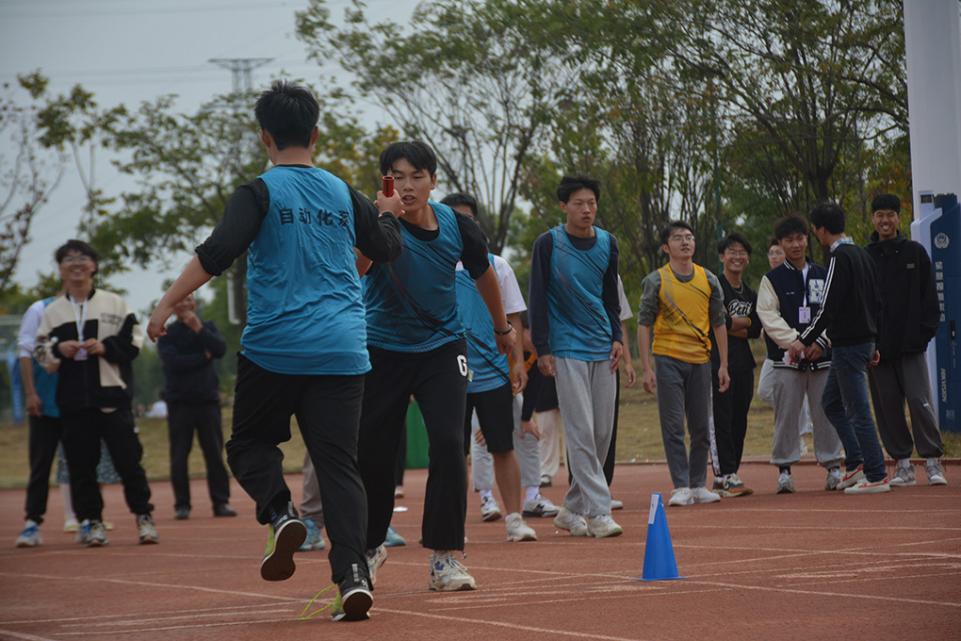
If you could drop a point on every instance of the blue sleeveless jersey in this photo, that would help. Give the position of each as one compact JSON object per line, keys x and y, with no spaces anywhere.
{"x":305,"y":309}
{"x":579,"y":326}
{"x":489,"y":366}
{"x":46,"y":383}
{"x":411,"y":302}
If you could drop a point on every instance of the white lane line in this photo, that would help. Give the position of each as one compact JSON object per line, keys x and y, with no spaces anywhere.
{"x":22,"y":636}
{"x":578,"y":599}
{"x":98,"y":617}
{"x":822,"y":528}
{"x":869,"y":597}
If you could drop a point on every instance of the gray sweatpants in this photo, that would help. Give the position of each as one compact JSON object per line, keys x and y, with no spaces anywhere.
{"x":789,"y":388}
{"x":585,"y":393}
{"x":311,"y":506}
{"x":893,"y":383}
{"x":684,"y":389}
{"x":526,"y":449}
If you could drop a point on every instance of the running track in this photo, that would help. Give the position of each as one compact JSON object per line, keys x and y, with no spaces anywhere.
{"x":812,"y":565}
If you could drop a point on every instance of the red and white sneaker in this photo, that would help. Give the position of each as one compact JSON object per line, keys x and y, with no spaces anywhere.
{"x":852,"y":478}
{"x":869,"y":487}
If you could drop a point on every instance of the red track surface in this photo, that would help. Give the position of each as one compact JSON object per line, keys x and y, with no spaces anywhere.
{"x":813,"y":565}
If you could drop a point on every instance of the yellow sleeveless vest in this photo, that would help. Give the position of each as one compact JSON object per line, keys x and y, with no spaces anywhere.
{"x":683,"y":324}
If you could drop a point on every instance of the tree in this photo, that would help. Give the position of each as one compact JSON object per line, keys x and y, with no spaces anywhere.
{"x":477,"y":80}
{"x":26,"y":184}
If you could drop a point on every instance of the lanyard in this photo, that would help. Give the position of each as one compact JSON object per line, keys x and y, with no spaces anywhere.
{"x":80,"y":318}
{"x":804,"y":279}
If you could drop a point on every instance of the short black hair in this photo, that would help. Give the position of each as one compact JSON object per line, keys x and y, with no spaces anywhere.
{"x":570,"y":184}
{"x":671,"y":226}
{"x":772,"y":241}
{"x":732,"y":238}
{"x":461,"y":199}
{"x":417,"y":153}
{"x":886,"y":201}
{"x":790,"y":225}
{"x":288,"y":113}
{"x":78,"y":246}
{"x":829,"y":216}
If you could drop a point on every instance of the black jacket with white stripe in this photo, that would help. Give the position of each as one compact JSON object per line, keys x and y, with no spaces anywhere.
{"x":852,"y":303}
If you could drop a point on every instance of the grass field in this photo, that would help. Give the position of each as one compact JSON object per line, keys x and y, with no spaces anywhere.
{"x":639,"y":439}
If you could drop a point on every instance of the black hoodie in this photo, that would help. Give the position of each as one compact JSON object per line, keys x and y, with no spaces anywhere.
{"x":909,"y":312}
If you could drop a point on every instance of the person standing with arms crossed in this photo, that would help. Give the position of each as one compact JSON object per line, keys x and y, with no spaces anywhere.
{"x":192,"y":394}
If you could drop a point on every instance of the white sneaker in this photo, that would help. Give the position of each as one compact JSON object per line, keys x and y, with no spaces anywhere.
{"x":603,"y":526}
{"x":869,"y":487}
{"x":540,"y":506}
{"x":904,"y":474}
{"x":572,"y":522}
{"x":935,"y":472}
{"x":617,"y":505}
{"x":447,"y":574}
{"x":490,"y":510}
{"x":681,"y":496}
{"x":833,"y":479}
{"x":375,"y":559}
{"x":785,"y":484}
{"x":71,"y":525}
{"x":704,"y":495}
{"x":517,"y":530}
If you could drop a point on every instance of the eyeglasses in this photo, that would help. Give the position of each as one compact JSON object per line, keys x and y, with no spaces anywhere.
{"x":677,"y":238}
{"x":76,"y":258}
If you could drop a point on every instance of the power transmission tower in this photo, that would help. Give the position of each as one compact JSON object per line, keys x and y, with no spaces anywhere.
{"x":241,"y":71}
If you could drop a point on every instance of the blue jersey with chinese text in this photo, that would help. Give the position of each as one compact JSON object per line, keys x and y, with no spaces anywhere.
{"x":305,"y":308}
{"x":411,"y":302}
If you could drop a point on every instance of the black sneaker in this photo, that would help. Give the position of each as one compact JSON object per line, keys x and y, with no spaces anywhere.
{"x":285,"y":534}
{"x":355,"y":597}
{"x":181,"y":513}
{"x":224,"y":509}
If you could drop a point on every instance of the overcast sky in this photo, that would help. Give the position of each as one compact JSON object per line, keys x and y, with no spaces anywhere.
{"x":127,"y":51}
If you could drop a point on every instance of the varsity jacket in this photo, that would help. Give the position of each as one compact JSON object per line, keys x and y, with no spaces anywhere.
{"x":98,"y":381}
{"x":781,"y":296}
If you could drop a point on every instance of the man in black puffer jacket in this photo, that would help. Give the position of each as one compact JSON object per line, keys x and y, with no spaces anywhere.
{"x":909,"y":320}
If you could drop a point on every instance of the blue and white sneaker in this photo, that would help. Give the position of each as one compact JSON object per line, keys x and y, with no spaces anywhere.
{"x":447,"y":574}
{"x":30,"y":536}
{"x":394,"y":540}
{"x":315,"y":538}
{"x":92,"y":533}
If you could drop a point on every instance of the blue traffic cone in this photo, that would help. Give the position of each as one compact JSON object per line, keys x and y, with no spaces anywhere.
{"x":659,"y":561}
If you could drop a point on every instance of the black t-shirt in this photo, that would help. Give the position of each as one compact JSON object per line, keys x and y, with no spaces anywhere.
{"x":737,"y":302}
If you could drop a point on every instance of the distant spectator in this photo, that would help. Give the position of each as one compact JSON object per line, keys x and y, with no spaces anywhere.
{"x":91,"y":337}
{"x":192,"y":397}
{"x":158,"y":409}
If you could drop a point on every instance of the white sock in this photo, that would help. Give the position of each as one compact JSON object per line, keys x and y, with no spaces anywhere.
{"x":486,"y":495}
{"x":904,"y":463}
{"x":934,"y":461}
{"x":531,"y":492}
{"x":30,"y":522}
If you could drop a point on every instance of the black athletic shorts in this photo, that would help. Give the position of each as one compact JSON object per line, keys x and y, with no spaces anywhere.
{"x":495,"y":411}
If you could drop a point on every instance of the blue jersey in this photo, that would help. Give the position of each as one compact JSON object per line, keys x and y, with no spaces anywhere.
{"x":305,"y":309}
{"x":45,"y":384}
{"x":411,"y":302}
{"x":490,"y":368}
{"x":579,"y":326}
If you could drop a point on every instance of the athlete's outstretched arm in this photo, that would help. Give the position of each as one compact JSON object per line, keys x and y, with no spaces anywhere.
{"x":192,"y":278}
